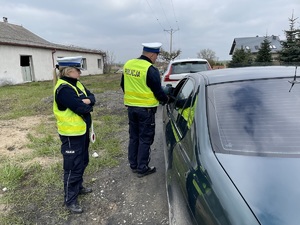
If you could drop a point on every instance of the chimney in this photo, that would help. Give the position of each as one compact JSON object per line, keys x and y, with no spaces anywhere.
{"x":5,"y":19}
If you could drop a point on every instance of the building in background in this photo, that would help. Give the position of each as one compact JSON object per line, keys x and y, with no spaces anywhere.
{"x":253,"y":44}
{"x":26,"y":57}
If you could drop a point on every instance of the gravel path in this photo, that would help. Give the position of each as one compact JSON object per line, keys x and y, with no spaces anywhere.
{"x":120,"y":197}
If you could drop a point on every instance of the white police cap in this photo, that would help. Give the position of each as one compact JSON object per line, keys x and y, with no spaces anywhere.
{"x":152,"y":47}
{"x":74,"y":61}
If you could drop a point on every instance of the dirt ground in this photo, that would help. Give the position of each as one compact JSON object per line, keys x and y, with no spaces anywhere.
{"x":119,"y":197}
{"x":13,"y":135}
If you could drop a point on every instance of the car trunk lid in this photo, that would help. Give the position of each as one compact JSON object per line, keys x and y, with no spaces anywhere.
{"x":269,"y":185}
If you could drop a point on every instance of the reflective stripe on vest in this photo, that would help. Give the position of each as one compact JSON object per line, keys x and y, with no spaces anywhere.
{"x":137,"y":93}
{"x":68,"y":123}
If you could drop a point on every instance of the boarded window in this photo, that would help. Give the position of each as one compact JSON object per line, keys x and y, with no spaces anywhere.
{"x":99,"y":64}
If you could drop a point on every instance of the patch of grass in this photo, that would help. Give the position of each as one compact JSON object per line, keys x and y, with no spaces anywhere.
{"x":39,"y":191}
{"x":106,"y":145}
{"x":36,"y":98}
{"x":44,"y":146}
{"x":11,"y":175}
{"x":25,"y":99}
{"x":101,"y":83}
{"x":11,"y":219}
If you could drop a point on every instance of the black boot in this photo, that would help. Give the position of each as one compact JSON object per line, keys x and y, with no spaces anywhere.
{"x":74,"y":208}
{"x":84,"y":191}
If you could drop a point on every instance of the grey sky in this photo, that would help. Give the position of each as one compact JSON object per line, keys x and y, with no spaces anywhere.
{"x":121,"y":26}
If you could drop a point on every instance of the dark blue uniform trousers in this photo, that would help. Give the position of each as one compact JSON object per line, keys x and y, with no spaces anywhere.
{"x":141,"y":136}
{"x":75,"y":159}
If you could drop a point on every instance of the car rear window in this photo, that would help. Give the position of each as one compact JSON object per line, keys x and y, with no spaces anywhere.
{"x":255,"y":117}
{"x":189,"y":67}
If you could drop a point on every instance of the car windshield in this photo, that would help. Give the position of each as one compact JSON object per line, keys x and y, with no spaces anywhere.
{"x":189,"y":67}
{"x":255,"y":117}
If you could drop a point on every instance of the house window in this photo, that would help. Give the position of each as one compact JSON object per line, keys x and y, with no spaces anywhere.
{"x":99,"y":63}
{"x":84,"y":63}
{"x":25,"y":61}
{"x":256,"y":47}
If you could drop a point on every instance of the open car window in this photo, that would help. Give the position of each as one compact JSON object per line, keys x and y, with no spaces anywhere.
{"x":181,"y":107}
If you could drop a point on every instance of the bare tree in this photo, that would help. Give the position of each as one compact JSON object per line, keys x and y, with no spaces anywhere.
{"x":209,"y":55}
{"x":166,"y":56}
{"x":109,"y":61}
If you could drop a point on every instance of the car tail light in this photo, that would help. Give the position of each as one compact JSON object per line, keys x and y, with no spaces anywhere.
{"x":167,"y":76}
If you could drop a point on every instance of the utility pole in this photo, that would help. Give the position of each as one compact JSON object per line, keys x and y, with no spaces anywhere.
{"x":171,"y":32}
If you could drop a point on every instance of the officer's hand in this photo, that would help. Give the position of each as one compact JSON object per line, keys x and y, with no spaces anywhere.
{"x":86,"y":101}
{"x":171,"y":98}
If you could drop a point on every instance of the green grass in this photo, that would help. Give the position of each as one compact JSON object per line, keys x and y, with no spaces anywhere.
{"x":35,"y":176}
{"x":33,"y":98}
{"x":11,"y":175}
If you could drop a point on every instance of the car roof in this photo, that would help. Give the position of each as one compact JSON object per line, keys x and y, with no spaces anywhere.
{"x":245,"y":73}
{"x":188,"y":60}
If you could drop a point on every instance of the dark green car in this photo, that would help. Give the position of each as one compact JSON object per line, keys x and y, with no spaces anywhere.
{"x":232,"y":147}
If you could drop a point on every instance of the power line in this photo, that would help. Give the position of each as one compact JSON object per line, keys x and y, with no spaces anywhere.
{"x":171,"y":31}
{"x":156,"y":18}
{"x":154,"y":14}
{"x":177,"y":27}
{"x":165,"y":14}
{"x":174,"y":14}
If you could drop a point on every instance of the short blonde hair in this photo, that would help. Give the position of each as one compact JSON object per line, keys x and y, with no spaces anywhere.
{"x":63,"y":72}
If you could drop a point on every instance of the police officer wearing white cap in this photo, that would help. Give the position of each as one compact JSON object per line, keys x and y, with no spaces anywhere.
{"x":142,"y":94}
{"x":72,"y":107}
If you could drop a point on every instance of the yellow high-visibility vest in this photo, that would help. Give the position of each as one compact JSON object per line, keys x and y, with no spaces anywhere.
{"x":137,"y":93}
{"x":68,"y":123}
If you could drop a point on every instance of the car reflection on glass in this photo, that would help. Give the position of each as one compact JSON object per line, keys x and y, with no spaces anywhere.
{"x":232,"y":147}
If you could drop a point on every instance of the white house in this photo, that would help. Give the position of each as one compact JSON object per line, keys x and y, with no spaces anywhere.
{"x":26,"y":57}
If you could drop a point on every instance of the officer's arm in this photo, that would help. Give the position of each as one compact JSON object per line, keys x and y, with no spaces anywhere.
{"x":66,"y":97}
{"x":122,"y":82}
{"x":153,"y":82}
{"x":90,"y":96}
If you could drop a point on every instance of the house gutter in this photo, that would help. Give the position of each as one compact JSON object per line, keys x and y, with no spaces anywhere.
{"x":53,"y":52}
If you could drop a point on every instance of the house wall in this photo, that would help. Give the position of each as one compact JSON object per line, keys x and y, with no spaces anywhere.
{"x":43,"y":61}
{"x":10,"y":67}
{"x":91,"y":61}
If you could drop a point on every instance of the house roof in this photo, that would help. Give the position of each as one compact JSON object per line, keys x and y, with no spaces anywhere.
{"x":253,"y":44}
{"x":11,"y":34}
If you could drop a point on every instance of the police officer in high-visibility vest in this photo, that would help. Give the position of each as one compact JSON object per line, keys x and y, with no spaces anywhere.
{"x":142,"y":94}
{"x":72,"y":106}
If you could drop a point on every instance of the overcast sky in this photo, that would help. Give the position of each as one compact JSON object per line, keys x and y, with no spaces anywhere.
{"x":121,"y":26}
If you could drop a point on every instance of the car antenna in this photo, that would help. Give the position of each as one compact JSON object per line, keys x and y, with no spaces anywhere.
{"x":294,"y":81}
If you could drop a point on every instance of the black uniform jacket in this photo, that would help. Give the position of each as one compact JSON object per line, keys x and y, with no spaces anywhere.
{"x":66,"y":97}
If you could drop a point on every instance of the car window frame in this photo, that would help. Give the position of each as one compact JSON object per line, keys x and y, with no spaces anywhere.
{"x":174,"y":115}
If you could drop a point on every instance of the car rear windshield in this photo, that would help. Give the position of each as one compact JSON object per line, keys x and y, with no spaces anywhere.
{"x":255,"y":117}
{"x":189,"y":67}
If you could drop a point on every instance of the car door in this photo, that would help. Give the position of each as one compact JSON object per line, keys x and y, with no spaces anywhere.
{"x":184,"y":159}
{"x":181,"y":156}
